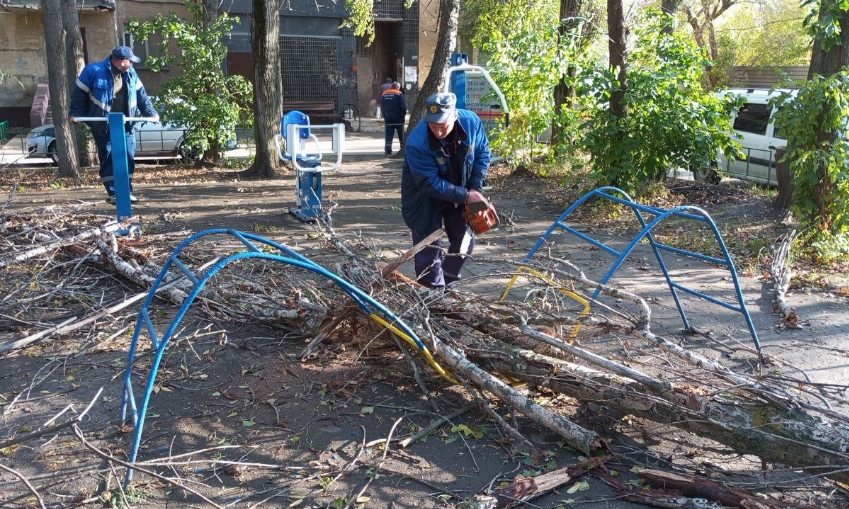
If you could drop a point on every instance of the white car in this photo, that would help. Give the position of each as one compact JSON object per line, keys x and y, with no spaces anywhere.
{"x":755,"y":129}
{"x":160,"y":141}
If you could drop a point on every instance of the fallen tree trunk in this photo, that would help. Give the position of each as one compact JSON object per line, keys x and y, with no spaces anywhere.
{"x":734,"y":417}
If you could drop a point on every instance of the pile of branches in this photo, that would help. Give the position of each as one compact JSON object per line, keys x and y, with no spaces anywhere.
{"x":616,"y":360}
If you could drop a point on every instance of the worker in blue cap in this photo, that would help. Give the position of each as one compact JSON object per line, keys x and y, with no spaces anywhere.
{"x":446,"y":160}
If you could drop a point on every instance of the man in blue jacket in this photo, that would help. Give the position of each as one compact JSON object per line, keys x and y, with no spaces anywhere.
{"x":112,"y":85}
{"x":394,"y":115}
{"x":446,"y":160}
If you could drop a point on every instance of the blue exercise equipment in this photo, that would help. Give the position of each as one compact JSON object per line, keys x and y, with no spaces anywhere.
{"x":120,"y":168}
{"x":296,"y":131}
{"x":687,"y":212}
{"x":253,"y":245}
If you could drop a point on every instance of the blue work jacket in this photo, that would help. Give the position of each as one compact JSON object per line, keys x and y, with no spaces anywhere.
{"x":394,"y":107}
{"x":424,"y":184}
{"x":92,"y":96}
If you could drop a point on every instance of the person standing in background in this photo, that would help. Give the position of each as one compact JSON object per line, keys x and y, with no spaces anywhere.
{"x":386,"y":85}
{"x":112,"y":86}
{"x":394,"y":115}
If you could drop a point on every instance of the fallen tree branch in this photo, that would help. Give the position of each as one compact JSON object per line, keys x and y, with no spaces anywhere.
{"x":782,"y":275}
{"x":136,"y":467}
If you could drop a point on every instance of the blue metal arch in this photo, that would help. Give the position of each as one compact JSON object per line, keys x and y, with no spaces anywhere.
{"x":686,"y":212}
{"x":363,"y":300}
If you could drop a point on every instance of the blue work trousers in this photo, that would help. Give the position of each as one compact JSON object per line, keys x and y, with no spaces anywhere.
{"x":104,"y":153}
{"x":390,"y":130}
{"x":436,"y":269}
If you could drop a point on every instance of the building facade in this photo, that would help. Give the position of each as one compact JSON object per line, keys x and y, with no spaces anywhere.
{"x":325,"y":68}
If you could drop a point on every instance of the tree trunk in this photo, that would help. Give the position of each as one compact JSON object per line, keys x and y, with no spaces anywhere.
{"x":449,"y":15}
{"x":74,"y":62}
{"x":618,"y":45}
{"x":268,"y":107}
{"x":209,"y":12}
{"x":740,"y":417}
{"x":564,"y":92}
{"x":55,"y":37}
{"x":670,"y":7}
{"x":825,"y":62}
{"x":785,"y":180}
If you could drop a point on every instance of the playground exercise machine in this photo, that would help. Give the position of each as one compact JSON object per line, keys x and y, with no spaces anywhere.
{"x":298,"y":145}
{"x":120,"y":168}
{"x":656,"y":216}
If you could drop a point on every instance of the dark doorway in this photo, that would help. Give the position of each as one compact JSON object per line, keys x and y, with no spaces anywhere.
{"x":241,"y":64}
{"x":377,"y":62}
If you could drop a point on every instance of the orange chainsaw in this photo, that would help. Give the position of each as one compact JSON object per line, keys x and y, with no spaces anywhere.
{"x":481,"y":216}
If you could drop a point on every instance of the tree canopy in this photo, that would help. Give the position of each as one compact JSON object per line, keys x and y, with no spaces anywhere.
{"x":201,"y":97}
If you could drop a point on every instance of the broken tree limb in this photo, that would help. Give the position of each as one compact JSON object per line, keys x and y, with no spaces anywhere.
{"x":577,"y":437}
{"x":527,"y":488}
{"x":733,"y":416}
{"x":26,"y":482}
{"x":57,"y":244}
{"x":782,"y":276}
{"x":691,"y":486}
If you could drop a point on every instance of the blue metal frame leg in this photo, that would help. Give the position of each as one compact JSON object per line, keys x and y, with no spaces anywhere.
{"x":159,"y":343}
{"x":309,"y":197}
{"x":687,"y":212}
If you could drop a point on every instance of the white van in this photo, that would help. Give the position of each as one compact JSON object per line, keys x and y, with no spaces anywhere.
{"x":758,"y":137}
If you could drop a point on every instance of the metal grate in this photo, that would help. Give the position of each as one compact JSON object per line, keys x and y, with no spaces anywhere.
{"x":388,"y":9}
{"x":310,"y":68}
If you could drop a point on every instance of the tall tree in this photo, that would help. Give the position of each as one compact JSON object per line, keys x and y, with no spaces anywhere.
{"x":209,"y":12}
{"x":618,"y":47}
{"x":74,"y":62}
{"x":829,"y":56}
{"x":569,"y":32}
{"x":446,"y":37}
{"x":701,"y":16}
{"x":268,"y":107}
{"x":55,"y":37}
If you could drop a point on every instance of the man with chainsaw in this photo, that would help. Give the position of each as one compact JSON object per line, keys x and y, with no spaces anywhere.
{"x":446,"y":160}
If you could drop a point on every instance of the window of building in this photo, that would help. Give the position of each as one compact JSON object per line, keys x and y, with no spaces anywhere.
{"x":143,"y":49}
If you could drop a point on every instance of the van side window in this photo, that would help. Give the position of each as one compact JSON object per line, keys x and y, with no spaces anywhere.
{"x":752,"y":118}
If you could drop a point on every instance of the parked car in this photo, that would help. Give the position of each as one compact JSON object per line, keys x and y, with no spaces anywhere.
{"x":758,"y":136}
{"x":161,"y":141}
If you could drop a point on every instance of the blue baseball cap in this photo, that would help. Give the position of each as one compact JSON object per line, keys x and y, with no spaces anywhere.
{"x":125,"y":53}
{"x":440,"y":107}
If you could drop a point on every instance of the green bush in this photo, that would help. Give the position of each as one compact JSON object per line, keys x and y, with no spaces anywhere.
{"x":672,"y":121}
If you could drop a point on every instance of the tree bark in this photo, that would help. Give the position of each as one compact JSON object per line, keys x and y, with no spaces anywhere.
{"x":784,"y":198}
{"x":55,"y":37}
{"x":449,"y":15}
{"x":670,"y":7}
{"x":618,"y":46}
{"x":75,"y":61}
{"x":209,"y":12}
{"x":739,"y":417}
{"x":268,"y":106}
{"x":825,"y":62}
{"x":564,"y":92}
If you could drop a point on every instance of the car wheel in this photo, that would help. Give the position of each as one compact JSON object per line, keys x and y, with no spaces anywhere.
{"x":706,"y":174}
{"x":51,"y":152}
{"x":189,"y":154}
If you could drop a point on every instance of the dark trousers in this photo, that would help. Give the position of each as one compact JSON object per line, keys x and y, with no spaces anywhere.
{"x":389,"y":130}
{"x":104,"y":153}
{"x":435,"y":269}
